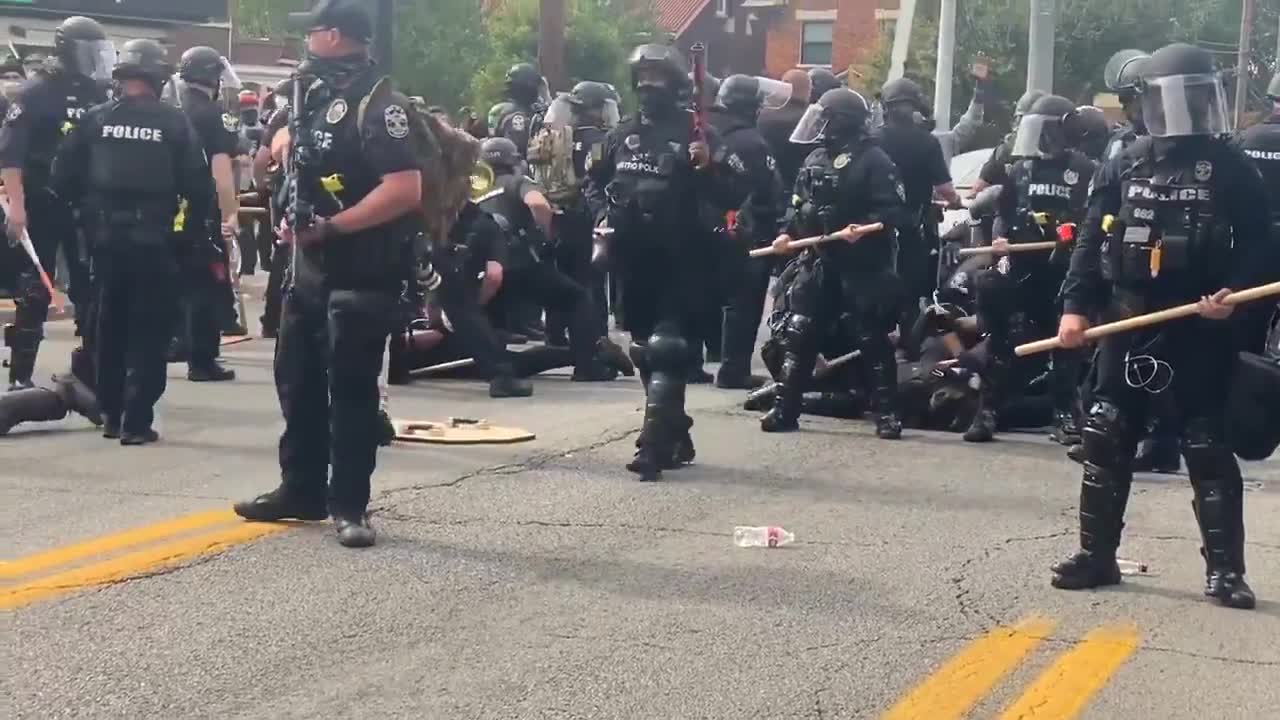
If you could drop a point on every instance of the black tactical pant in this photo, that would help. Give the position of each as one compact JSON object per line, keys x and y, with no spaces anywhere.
{"x":327,"y":365}
{"x":746,"y":282}
{"x":1200,"y":361}
{"x":136,"y":277}
{"x":51,"y":225}
{"x":280,"y":259}
{"x":206,"y":301}
{"x":812,"y":296}
{"x":918,"y":273}
{"x":459,"y":298}
{"x":543,"y":284}
{"x":572,"y":256}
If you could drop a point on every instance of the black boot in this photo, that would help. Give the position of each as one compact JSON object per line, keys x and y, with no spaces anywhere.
{"x":212,"y":372}
{"x":1104,"y":493}
{"x":761,"y":400}
{"x":30,"y":405}
{"x":612,"y":355}
{"x":682,"y":450}
{"x":386,"y":429}
{"x":797,"y":343}
{"x":732,"y":376}
{"x":594,"y":371}
{"x":354,"y":530}
{"x":986,"y":420}
{"x":507,"y":385}
{"x":884,"y":392}
{"x":142,"y":437}
{"x":282,"y":504}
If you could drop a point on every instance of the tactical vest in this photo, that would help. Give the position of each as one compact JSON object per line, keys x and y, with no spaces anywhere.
{"x":372,"y":259}
{"x":644,"y":187}
{"x":1045,"y":190}
{"x":551,"y":160}
{"x":131,"y":159}
{"x":72,"y":98}
{"x":1262,"y":144}
{"x":508,"y":210}
{"x":1169,"y":237}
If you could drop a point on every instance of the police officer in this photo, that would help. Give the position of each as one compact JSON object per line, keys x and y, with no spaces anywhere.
{"x":923,"y":170}
{"x":351,"y":136}
{"x":746,"y":281}
{"x":1044,"y":196}
{"x":1262,"y":143}
{"x":1190,"y":221}
{"x":662,"y":189}
{"x":820,"y":81}
{"x":40,"y":116}
{"x":1121,"y":76}
{"x":994,"y":170}
{"x":519,"y":206}
{"x":527,"y":95}
{"x":203,"y":72}
{"x":127,"y":162}
{"x":847,"y":179}
{"x":1092,"y":131}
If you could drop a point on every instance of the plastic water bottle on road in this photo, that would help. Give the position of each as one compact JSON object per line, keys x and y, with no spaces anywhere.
{"x":1131,"y":567}
{"x":766,"y":537}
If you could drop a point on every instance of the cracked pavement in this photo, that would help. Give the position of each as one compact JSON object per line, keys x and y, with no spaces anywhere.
{"x":540,"y":581}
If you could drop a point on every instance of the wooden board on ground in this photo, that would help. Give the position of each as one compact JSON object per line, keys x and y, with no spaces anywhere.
{"x":234,"y":339}
{"x":459,"y":431}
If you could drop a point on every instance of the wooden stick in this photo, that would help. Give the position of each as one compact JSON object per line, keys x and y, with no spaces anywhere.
{"x":451,"y":365}
{"x":1141,"y":321}
{"x":829,"y":366}
{"x":260,"y":212}
{"x":250,"y":198}
{"x":1018,"y":248}
{"x":853,"y":232}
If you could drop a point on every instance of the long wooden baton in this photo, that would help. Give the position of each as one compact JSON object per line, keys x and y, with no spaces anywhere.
{"x":853,"y":232}
{"x":30,"y":249}
{"x":451,"y":365}
{"x":1019,"y":248}
{"x":249,"y":210}
{"x":1141,"y":321}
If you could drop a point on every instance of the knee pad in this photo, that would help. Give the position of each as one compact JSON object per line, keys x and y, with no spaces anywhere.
{"x":1209,"y":455}
{"x":667,"y":351}
{"x":637,"y":353}
{"x":799,"y":331}
{"x":771,"y":356}
{"x":1105,"y":434}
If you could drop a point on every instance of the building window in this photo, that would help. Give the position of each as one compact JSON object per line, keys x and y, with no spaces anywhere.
{"x":722,"y":8}
{"x":815,"y":43}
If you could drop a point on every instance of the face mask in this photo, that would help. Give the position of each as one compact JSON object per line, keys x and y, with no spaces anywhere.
{"x":655,"y":100}
{"x":338,"y":69}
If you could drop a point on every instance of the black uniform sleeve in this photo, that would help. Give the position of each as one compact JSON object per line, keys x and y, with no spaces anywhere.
{"x":71,"y":163}
{"x":726,"y":182}
{"x":219,"y":133}
{"x":387,"y":145}
{"x":1084,"y":168}
{"x":195,"y":182}
{"x":24,"y":112}
{"x":760,"y":173}
{"x":1257,"y":255}
{"x":1006,"y":220}
{"x":885,"y":193}
{"x":935,"y":165}
{"x":487,"y":243}
{"x":1082,"y":290}
{"x":600,"y":174}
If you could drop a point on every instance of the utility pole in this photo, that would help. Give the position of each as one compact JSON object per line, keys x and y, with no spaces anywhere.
{"x":1242,"y":62}
{"x":1040,"y":42}
{"x":384,"y":35}
{"x":551,"y":43}
{"x":942,"y":78}
{"x":901,"y":39}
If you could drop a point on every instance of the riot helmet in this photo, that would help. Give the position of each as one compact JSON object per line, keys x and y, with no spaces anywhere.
{"x":1042,"y":131}
{"x":747,"y":95}
{"x":594,"y":103}
{"x":659,"y":76}
{"x":839,"y":116}
{"x":204,"y":66}
{"x":1123,"y":70}
{"x":500,"y":154}
{"x":526,"y":85}
{"x":904,"y":101}
{"x":1182,"y":93}
{"x":83,"y":48}
{"x":143,"y":59}
{"x":12,"y":73}
{"x":1023,"y":106}
{"x":1088,"y":131}
{"x":820,"y":81}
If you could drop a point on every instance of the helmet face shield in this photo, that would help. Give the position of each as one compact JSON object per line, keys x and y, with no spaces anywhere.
{"x":812,"y":126}
{"x":1039,"y":136}
{"x":93,"y":58}
{"x":173,"y":90}
{"x":773,"y":94}
{"x":229,"y":79}
{"x":1184,"y":105}
{"x":559,"y":113}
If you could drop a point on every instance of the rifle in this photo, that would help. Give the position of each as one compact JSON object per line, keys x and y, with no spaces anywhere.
{"x":301,"y":213}
{"x":699,"y":55}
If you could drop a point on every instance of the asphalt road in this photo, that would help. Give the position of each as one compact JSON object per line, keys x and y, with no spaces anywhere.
{"x":539,"y":580}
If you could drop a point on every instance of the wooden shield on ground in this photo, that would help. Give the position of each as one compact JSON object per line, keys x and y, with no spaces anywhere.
{"x":459,"y":431}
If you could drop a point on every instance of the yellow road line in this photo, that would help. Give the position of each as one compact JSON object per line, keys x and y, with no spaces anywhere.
{"x":134,"y":563}
{"x":1066,"y":686}
{"x":112,"y":543}
{"x":962,"y":682}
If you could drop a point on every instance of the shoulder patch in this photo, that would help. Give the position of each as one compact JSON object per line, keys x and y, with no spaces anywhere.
{"x":519,"y":122}
{"x":397,"y":122}
{"x":1204,"y":170}
{"x":841,"y":161}
{"x":336,"y":112}
{"x":15,"y":112}
{"x":736,"y":164}
{"x":770,"y":163}
{"x":230,"y":123}
{"x":1070,"y":177}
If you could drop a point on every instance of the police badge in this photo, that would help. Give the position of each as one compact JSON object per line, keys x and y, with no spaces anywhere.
{"x":337,"y":111}
{"x":15,"y":112}
{"x":397,"y":122}
{"x":1204,"y":170}
{"x":841,"y":161}
{"x":1070,"y":177}
{"x":518,"y":122}
{"x":632,"y":142}
{"x":230,"y":123}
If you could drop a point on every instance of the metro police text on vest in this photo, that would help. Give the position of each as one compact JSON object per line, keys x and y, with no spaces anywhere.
{"x":129,"y":132}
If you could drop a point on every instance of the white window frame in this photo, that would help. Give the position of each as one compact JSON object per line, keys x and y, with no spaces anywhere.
{"x":825,"y":17}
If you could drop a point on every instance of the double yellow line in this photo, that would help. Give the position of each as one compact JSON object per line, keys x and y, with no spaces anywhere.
{"x":132,"y":553}
{"x":1060,"y":692}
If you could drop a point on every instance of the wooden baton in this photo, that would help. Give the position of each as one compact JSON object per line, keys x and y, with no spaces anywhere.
{"x":1019,"y":248}
{"x":853,"y":232}
{"x":1141,"y":321}
{"x":254,"y":211}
